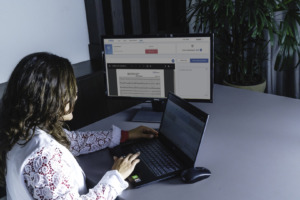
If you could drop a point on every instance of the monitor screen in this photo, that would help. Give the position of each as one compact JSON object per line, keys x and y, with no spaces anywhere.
{"x":151,"y":66}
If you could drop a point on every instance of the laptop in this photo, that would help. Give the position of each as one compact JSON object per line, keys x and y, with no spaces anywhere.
{"x":180,"y":134}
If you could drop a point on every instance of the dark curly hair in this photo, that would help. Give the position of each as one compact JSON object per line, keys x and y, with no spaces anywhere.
{"x":39,"y":88}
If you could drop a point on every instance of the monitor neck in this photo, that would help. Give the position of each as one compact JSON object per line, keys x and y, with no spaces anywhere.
{"x":158,"y":105}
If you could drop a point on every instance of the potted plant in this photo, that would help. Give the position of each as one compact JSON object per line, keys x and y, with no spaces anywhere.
{"x":287,"y":30}
{"x":239,"y":27}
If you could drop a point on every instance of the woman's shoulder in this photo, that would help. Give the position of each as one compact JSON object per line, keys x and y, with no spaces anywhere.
{"x":40,"y":144}
{"x":41,"y":140}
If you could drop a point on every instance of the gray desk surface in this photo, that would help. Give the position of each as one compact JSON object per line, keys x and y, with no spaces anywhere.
{"x":251,"y":146}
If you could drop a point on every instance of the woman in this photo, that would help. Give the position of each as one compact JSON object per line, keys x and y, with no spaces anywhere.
{"x":36,"y":151}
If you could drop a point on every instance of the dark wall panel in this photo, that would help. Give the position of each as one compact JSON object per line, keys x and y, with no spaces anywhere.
{"x":136,"y":21}
{"x":117,"y":17}
{"x":96,"y":26}
{"x":153,"y":20}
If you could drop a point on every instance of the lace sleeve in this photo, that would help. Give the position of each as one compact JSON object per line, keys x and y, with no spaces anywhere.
{"x":47,"y":176}
{"x":90,"y":141}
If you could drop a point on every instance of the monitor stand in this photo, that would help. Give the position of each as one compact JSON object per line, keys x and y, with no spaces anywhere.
{"x":151,"y":114}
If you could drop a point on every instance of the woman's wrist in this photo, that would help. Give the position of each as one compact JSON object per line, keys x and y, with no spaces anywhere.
{"x":124,"y":136}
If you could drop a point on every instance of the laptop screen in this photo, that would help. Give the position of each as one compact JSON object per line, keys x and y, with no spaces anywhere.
{"x":183,"y":124}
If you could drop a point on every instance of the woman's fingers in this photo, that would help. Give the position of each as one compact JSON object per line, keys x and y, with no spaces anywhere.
{"x":130,"y":157}
{"x":125,"y":165}
{"x":135,"y":162}
{"x":127,"y":157}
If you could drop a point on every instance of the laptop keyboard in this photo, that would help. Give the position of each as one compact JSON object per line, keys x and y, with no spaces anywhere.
{"x":158,"y":159}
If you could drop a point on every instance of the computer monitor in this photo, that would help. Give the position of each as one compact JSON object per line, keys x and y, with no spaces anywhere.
{"x":148,"y":67}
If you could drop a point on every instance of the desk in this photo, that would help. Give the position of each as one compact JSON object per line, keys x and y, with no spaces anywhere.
{"x":251,"y":145}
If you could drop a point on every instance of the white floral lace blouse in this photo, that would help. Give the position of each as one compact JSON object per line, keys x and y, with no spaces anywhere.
{"x":44,"y":169}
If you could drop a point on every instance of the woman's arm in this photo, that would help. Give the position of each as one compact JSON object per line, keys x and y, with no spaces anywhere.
{"x":90,"y":141}
{"x":47,"y":175}
{"x":83,"y":142}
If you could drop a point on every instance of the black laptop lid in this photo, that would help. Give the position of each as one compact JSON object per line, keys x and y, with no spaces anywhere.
{"x":183,"y":126}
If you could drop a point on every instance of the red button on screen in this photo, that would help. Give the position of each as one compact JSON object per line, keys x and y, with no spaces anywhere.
{"x":151,"y":51}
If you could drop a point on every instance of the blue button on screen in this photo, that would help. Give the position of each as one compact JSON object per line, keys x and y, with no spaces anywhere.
{"x":199,"y":60}
{"x":108,"y":49}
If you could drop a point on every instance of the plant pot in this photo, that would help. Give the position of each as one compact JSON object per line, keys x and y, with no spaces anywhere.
{"x":260,"y":87}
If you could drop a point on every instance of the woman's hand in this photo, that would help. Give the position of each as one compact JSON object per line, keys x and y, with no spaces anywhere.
{"x":126,"y":165}
{"x":142,"y":132}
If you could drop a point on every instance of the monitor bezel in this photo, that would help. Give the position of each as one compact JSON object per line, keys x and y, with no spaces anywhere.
{"x":178,"y":35}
